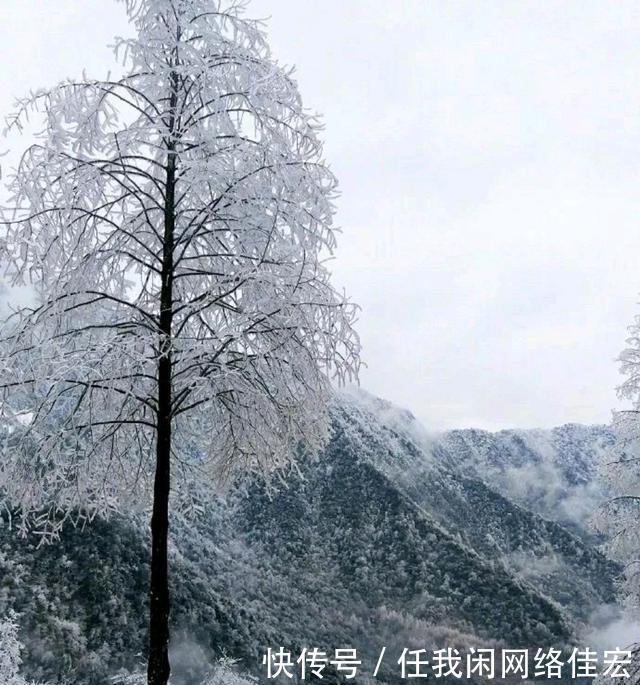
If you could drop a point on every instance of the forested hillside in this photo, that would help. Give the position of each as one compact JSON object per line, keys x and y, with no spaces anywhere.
{"x":384,"y":540}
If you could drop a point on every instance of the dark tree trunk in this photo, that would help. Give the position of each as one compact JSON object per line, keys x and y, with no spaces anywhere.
{"x":159,"y":608}
{"x":159,"y":670}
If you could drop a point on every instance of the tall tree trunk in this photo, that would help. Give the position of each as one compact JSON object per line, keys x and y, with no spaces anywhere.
{"x":159,"y":605}
{"x":158,"y":667}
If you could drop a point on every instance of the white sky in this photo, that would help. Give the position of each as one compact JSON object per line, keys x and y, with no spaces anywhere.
{"x":489,"y":160}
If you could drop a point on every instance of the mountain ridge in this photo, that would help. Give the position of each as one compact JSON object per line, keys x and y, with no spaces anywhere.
{"x":377,"y":541}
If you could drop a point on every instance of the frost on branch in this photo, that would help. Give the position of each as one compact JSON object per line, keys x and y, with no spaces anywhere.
{"x":257,"y":330}
{"x":619,"y":517}
{"x":223,"y":673}
{"x":10,"y":649}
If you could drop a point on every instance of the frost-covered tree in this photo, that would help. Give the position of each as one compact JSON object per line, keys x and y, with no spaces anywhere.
{"x":619,"y":516}
{"x":10,"y":652}
{"x":10,"y":648}
{"x":174,"y":224}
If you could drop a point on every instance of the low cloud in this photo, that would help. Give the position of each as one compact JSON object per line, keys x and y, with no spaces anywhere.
{"x":611,"y":627}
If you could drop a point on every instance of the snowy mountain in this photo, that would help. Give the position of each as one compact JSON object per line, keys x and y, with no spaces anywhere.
{"x":392,"y":537}
{"x":551,"y":472}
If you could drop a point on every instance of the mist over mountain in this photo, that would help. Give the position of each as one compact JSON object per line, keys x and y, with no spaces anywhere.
{"x":552,"y":472}
{"x":392,"y":537}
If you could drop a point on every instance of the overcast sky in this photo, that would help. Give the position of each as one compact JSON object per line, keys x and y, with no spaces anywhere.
{"x":489,"y":161}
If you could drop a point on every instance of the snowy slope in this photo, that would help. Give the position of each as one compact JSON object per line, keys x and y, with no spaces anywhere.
{"x":553,"y":473}
{"x":386,"y":539}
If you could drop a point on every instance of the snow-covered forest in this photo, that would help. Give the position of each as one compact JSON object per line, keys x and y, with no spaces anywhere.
{"x":192,"y":484}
